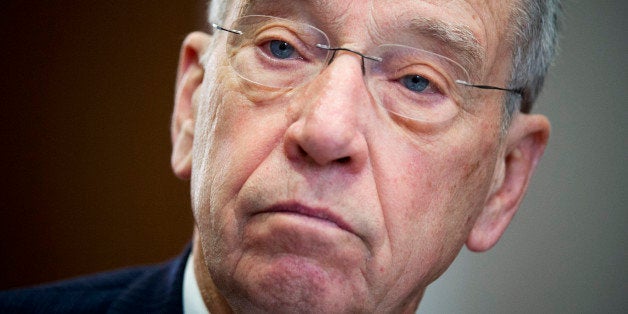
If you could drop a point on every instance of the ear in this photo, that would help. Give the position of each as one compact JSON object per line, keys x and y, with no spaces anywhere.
{"x":189,"y":78}
{"x":524,"y":146}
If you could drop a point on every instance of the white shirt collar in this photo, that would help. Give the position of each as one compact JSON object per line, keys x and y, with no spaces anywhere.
{"x":192,"y":299}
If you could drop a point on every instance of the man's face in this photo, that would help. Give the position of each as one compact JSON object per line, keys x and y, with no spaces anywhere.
{"x":318,"y":198}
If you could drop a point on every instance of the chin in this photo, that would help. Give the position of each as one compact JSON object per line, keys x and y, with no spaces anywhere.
{"x":294,"y":284}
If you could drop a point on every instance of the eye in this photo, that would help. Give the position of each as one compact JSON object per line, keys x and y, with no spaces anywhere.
{"x":281,"y":49}
{"x":415,"y":83}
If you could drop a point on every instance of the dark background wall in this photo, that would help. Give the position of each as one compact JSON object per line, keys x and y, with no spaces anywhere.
{"x":86,"y":96}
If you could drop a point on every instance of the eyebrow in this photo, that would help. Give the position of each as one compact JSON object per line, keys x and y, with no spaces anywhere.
{"x":457,"y":39}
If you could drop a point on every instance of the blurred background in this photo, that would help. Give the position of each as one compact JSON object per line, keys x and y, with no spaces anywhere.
{"x":87,"y":91}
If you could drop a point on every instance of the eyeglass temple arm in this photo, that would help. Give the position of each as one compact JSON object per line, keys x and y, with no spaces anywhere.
{"x":518,"y":91}
{"x":525,"y":105}
{"x":234,"y":31}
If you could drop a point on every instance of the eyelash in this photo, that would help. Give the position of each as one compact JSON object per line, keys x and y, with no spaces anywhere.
{"x":436,"y":84}
{"x":263,"y":42}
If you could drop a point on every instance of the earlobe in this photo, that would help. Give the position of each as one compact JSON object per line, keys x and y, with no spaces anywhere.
{"x":189,"y":78}
{"x":525,"y":143}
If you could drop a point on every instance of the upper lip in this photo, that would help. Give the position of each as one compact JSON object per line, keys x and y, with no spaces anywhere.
{"x":314,"y":212}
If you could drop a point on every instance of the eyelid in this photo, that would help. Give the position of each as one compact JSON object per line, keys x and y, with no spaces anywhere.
{"x":438,"y":83}
{"x":275,"y":32}
{"x":437,"y":64}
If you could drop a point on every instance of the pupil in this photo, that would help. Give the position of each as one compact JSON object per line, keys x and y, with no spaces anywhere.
{"x":415,"y":83}
{"x":281,"y":49}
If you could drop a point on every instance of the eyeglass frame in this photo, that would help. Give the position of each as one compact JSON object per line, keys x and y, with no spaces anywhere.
{"x":520,"y":92}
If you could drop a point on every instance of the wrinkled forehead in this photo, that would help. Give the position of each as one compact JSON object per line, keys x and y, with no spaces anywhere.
{"x":462,"y":30}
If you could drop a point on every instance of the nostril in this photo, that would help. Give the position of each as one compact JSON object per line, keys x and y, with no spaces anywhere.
{"x":302,"y":151}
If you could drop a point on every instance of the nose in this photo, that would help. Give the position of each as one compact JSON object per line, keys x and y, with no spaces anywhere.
{"x":326,"y":125}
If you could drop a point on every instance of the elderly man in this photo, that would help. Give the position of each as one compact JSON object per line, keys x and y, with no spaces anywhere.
{"x":340,"y":154}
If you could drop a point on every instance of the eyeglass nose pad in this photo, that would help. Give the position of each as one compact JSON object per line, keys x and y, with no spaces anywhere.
{"x":333,"y":55}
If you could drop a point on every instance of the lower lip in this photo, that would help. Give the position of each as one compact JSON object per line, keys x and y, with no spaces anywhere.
{"x":310,"y":219}
{"x":296,"y":223}
{"x":295,"y":217}
{"x":279,"y":233}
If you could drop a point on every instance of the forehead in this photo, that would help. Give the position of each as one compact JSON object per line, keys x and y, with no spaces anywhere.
{"x":453,"y":11}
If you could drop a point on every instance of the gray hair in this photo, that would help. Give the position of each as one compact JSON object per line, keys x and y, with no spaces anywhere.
{"x":534,"y":40}
{"x":217,"y":10}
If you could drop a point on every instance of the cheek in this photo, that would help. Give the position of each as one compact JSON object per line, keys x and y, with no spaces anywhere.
{"x":234,"y":137}
{"x":430,"y":194}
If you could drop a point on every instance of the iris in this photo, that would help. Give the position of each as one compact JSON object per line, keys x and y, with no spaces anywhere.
{"x":281,"y":49}
{"x":415,"y":83}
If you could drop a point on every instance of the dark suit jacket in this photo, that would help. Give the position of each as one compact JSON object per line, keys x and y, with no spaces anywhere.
{"x":151,"y":289}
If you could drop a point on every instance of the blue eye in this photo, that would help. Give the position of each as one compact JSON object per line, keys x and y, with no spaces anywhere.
{"x":415,"y":83}
{"x":281,"y":49}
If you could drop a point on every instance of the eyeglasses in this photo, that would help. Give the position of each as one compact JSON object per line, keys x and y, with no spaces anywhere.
{"x":409,"y":82}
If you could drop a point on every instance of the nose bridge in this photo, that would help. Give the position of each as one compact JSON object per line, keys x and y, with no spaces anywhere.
{"x":336,"y":94}
{"x":327,"y":126}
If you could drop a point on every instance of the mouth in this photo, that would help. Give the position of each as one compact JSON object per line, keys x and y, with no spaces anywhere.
{"x":321,"y":214}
